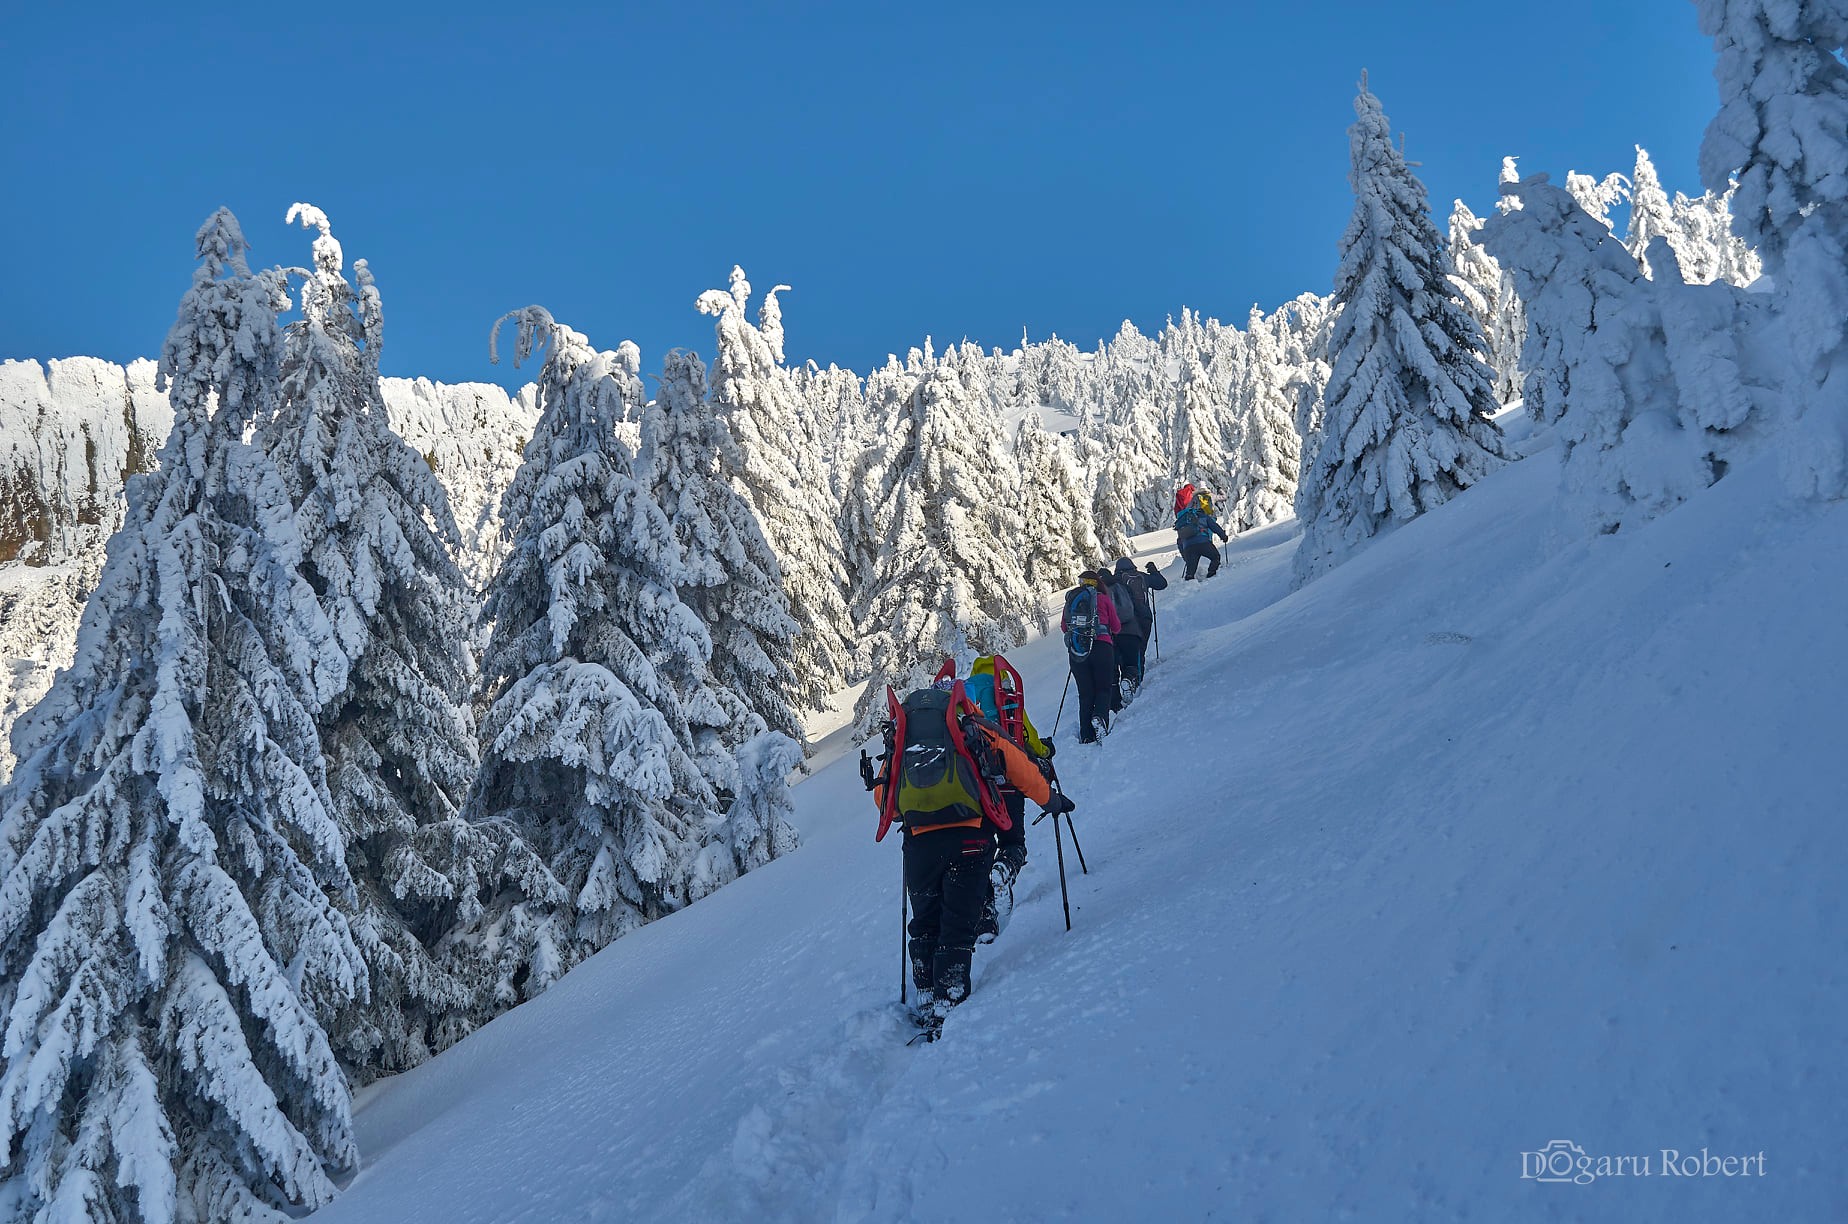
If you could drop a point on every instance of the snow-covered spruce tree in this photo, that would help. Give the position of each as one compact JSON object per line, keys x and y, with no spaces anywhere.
{"x":1114,"y":473}
{"x":1652,"y":216}
{"x":1264,"y":469}
{"x":1597,"y":196}
{"x":167,"y":846}
{"x":1055,"y":537}
{"x":947,"y":573}
{"x":1488,"y":292}
{"x":1782,"y":130}
{"x":1407,"y":423}
{"x":1198,"y":447}
{"x":1711,"y":251}
{"x":592,"y":684}
{"x":377,"y":540}
{"x":787,"y":486}
{"x":1303,"y":327}
{"x":1651,"y":381}
{"x":731,"y":578}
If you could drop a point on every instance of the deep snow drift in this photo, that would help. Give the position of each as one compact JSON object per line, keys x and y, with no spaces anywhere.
{"x":1493,"y":836}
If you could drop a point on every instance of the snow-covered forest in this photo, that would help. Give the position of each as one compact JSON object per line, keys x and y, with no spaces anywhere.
{"x":346,"y":713}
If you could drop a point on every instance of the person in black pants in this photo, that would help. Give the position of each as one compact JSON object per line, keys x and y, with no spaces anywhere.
{"x":946,"y":873}
{"x":1194,"y":530}
{"x":1132,"y":644}
{"x":1094,"y":670}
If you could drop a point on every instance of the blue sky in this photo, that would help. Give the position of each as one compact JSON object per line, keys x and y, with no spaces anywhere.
{"x":953,"y":169}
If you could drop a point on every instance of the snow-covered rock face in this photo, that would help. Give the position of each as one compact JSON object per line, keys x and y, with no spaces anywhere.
{"x":69,"y":434}
{"x":72,"y":431}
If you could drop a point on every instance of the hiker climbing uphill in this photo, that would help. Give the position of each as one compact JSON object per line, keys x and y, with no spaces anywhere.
{"x":996,"y":687}
{"x":940,"y":781}
{"x":1194,"y":530}
{"x":1132,"y":643}
{"x":1090,"y":624}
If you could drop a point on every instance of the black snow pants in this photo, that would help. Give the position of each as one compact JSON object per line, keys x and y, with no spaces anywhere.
{"x":1016,"y":836}
{"x":1098,"y":696}
{"x":1129,"y":648}
{"x":1194,"y":552}
{"x":946,"y":873}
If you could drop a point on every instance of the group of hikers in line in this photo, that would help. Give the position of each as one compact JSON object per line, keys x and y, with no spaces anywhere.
{"x":962,"y":758}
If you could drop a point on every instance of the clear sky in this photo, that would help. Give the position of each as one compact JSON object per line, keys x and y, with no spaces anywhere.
{"x":947,"y":169}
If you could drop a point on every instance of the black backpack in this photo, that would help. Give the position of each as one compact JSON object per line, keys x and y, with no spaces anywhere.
{"x":1081,"y":621}
{"x":1144,"y":613}
{"x":1129,"y":616}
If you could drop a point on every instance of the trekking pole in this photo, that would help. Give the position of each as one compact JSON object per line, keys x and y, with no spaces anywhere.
{"x":1155,"y":625}
{"x":1062,"y":693}
{"x":1070,"y":827}
{"x":1059,"y":844}
{"x":904,"y":923}
{"x":1073,"y":830}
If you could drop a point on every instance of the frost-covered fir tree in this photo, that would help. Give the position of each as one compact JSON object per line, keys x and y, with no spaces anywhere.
{"x":947,"y":580}
{"x":785,"y":482}
{"x":1409,"y":400}
{"x":1782,"y":131}
{"x":1488,"y":292}
{"x":1652,"y":383}
{"x":1303,"y":327}
{"x":1711,"y":251}
{"x":731,"y":578}
{"x":1198,"y":452}
{"x":593,"y":683}
{"x":1056,"y":539}
{"x":1652,"y":216}
{"x":167,"y":844}
{"x":1264,"y":467}
{"x":1114,"y":476}
{"x":1597,"y":196}
{"x":377,"y":538}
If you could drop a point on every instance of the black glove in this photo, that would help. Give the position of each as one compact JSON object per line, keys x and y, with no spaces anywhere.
{"x":1150,"y":567}
{"x":1060,"y":803}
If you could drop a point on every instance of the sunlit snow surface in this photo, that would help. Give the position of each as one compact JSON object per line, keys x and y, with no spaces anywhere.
{"x":1493,"y":836}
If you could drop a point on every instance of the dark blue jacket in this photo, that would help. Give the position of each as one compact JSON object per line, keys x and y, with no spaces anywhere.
{"x":1193,"y":516}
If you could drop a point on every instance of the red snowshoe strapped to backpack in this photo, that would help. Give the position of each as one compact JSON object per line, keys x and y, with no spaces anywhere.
{"x":934,"y":774}
{"x":1184,"y":498}
{"x":1010,"y":701}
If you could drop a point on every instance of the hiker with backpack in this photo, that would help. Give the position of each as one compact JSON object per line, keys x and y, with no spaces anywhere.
{"x":1194,"y":530}
{"x":1132,"y":643}
{"x":1090,"y":625}
{"x":996,"y":687}
{"x":939,"y":781}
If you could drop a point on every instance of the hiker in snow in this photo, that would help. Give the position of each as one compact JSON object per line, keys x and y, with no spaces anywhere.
{"x":939,"y":780}
{"x":1090,"y":625}
{"x":1194,"y":530}
{"x":1132,"y":644}
{"x":986,"y":690}
{"x":1106,"y":587}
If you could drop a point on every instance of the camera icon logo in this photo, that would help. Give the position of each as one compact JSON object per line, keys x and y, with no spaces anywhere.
{"x":1558,"y":1161}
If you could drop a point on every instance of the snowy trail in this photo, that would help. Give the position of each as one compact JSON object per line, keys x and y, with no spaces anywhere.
{"x":1492,"y":837}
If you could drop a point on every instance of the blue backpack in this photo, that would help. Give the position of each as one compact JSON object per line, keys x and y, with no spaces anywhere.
{"x":1187,"y":525}
{"x":1081,"y":621}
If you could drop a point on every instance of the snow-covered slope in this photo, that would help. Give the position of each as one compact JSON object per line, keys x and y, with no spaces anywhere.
{"x":1492,"y":837}
{"x":72,"y":430}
